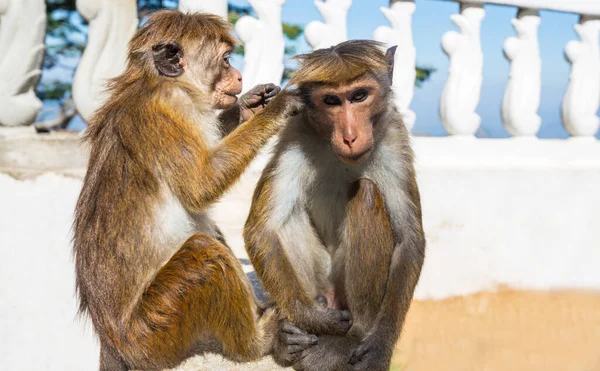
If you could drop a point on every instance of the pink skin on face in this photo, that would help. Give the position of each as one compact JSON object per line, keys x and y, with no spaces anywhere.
{"x":229,"y":84}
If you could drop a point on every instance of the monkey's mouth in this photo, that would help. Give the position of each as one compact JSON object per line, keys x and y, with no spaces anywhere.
{"x":234,"y":93}
{"x":356,"y":158}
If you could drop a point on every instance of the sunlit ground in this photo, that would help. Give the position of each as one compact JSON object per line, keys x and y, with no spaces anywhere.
{"x":503,"y":331}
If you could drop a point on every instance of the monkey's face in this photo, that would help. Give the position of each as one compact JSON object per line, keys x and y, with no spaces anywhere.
{"x":207,"y":68}
{"x":228,"y":83}
{"x":346,"y":115}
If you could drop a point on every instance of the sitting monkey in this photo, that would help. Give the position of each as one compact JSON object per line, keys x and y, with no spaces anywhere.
{"x":337,"y":211}
{"x":153,"y":271}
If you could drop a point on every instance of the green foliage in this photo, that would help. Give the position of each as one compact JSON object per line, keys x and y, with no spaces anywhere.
{"x":423,"y":74}
{"x":292,"y":31}
{"x":290,"y":50}
{"x":239,"y":49}
{"x":236,"y":12}
{"x":52,"y":5}
{"x":54,"y":90}
{"x":64,"y":31}
{"x":233,"y":17}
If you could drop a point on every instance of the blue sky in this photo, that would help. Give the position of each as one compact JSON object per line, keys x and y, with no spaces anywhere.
{"x":430,"y":21}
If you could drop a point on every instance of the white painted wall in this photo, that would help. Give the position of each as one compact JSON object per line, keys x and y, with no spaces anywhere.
{"x":522,"y":213}
{"x":38,"y":325}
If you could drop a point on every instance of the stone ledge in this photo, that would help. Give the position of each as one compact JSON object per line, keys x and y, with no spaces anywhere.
{"x":24,"y":153}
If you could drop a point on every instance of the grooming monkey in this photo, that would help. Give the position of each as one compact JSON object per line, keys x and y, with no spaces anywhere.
{"x":152,"y":269}
{"x":337,"y":212}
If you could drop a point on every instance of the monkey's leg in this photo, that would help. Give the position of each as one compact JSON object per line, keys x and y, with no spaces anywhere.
{"x":110,"y":361}
{"x":367,"y":249}
{"x":200,"y":294}
{"x":390,"y":266}
{"x":368,"y":245}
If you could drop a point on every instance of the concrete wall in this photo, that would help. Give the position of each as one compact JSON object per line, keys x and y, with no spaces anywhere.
{"x":497,"y":212}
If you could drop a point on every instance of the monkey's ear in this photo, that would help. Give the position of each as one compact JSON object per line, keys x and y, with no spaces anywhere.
{"x":389,"y":57}
{"x":168,"y":59}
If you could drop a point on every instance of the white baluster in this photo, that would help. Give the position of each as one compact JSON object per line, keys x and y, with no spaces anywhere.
{"x":461,"y":92}
{"x":400,"y":18}
{"x":582,"y":98}
{"x":112,"y":23}
{"x":22,"y":31}
{"x":264,"y":46}
{"x":333,"y":31}
{"x":218,"y":7}
{"x":522,"y":96}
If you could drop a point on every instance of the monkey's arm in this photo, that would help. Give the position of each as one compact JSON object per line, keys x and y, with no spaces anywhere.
{"x":230,"y":119}
{"x":405,"y":268}
{"x":289,"y":278}
{"x":252,"y":102}
{"x":210,"y":172}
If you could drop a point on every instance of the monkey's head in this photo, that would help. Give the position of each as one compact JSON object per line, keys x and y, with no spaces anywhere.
{"x":347,"y":89}
{"x":190,"y":49}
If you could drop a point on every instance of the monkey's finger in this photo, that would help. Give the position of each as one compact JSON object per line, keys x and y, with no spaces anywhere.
{"x":303,"y":341}
{"x":295,"y":349}
{"x":288,"y":328}
{"x":271,"y":90}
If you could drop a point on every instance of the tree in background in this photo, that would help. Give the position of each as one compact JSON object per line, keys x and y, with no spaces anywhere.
{"x":66,"y":40}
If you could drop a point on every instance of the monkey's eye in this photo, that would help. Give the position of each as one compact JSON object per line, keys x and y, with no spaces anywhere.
{"x":226,"y":58}
{"x":332,"y":100}
{"x":359,"y":96}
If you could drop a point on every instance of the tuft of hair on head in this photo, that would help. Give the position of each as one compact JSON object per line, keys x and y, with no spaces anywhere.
{"x":341,"y":63}
{"x":166,"y":26}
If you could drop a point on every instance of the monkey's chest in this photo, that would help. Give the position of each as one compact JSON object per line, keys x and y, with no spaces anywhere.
{"x":328,"y":212}
{"x":328,"y":215}
{"x":174,"y":225}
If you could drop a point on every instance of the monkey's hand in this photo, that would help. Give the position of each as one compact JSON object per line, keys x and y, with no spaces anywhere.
{"x":321,"y":320}
{"x":290,"y":344}
{"x":286,"y":104}
{"x":256,"y":99}
{"x":371,"y":355}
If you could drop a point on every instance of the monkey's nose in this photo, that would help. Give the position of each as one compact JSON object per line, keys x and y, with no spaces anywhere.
{"x":349,"y":139}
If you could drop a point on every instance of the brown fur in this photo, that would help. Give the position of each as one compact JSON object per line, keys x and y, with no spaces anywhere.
{"x":153,"y":303}
{"x":339,"y":64}
{"x":206,"y":32}
{"x":353,"y":203}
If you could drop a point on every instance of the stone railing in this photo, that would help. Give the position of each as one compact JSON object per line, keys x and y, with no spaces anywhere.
{"x":112,"y":22}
